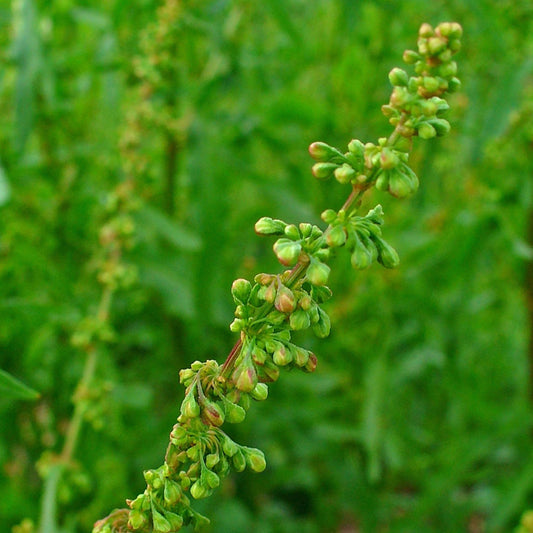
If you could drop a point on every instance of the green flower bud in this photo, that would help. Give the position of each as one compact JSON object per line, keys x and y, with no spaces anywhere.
{"x":322,"y":254}
{"x":305,"y":302}
{"x":426,"y":30}
{"x":305,"y":229}
{"x":237,"y":325}
{"x":436,"y":45}
{"x":344,"y":174}
{"x":328,"y":216}
{"x":264,"y":279}
{"x":382,"y":181}
{"x":285,"y":301}
{"x":186,"y":375}
{"x":311,"y":363}
{"x":212,"y":460}
{"x":323,"y":171}
{"x":172,"y":492}
{"x":175,"y":520}
{"x":411,"y":57}
{"x":137,"y":520}
{"x":239,"y":461}
{"x":426,"y":131}
{"x":199,"y":490}
{"x":190,"y":407}
{"x":430,"y":84}
{"x":282,"y":356}
{"x":397,"y":76}
{"x":161,"y":524}
{"x":441,"y":126}
{"x":403,"y":183}
{"x":258,"y":355}
{"x":255,"y":458}
{"x":292,"y":232}
{"x":287,"y":251}
{"x":301,"y":356}
{"x":235,"y":414}
{"x":399,"y":97}
{"x":210,"y":479}
{"x":229,"y":447}
{"x":322,"y":328}
{"x":269,"y":372}
{"x":323,"y":152}
{"x":260,"y":392}
{"x":185,"y":481}
{"x":269,"y":226}
{"x":454,"y":85}
{"x":388,"y":158}
{"x":356,"y":147}
{"x":387,"y":255}
{"x":317,"y":272}
{"x":299,"y":320}
{"x":212,"y":413}
{"x":240,"y":290}
{"x":448,"y":70}
{"x":246,"y":377}
{"x":361,"y":258}
{"x":321,"y":294}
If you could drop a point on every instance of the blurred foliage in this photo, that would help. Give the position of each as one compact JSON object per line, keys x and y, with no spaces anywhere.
{"x":419,"y":415}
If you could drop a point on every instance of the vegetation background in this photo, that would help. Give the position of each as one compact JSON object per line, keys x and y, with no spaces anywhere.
{"x":419,"y":416}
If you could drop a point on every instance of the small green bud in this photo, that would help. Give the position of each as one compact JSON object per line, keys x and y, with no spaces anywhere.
{"x":287,"y":251}
{"x":411,"y":57}
{"x":336,"y":236}
{"x":426,"y":30}
{"x":260,"y":392}
{"x":258,"y":355}
{"x":322,"y":328}
{"x":240,"y":290}
{"x":235,"y":414}
{"x":329,"y":216}
{"x":186,"y":375}
{"x":388,"y":158}
{"x":344,"y":174}
{"x":292,"y":232}
{"x":356,"y":147}
{"x":361,"y":258}
{"x":317,"y":272}
{"x":172,"y":492}
{"x":198,"y":490}
{"x":441,"y":125}
{"x":264,"y":279}
{"x":285,"y":301}
{"x":323,"y":171}
{"x":210,"y":479}
{"x":237,"y":325}
{"x":301,"y":356}
{"x":382,"y":181}
{"x":305,"y":229}
{"x":430,"y":84}
{"x":255,"y":459}
{"x":246,"y":378}
{"x":190,"y":407}
{"x":212,"y":413}
{"x":175,"y":520}
{"x":311,"y":363}
{"x":305,"y":302}
{"x":161,"y":524}
{"x":239,"y":461}
{"x":454,"y":85}
{"x":387,"y":255}
{"x":137,"y":519}
{"x":299,"y":320}
{"x":269,"y":372}
{"x":323,"y":152}
{"x":229,"y":447}
{"x":282,"y":356}
{"x":397,"y":76}
{"x":436,"y":45}
{"x":269,"y":226}
{"x":321,"y":294}
{"x":448,"y":70}
{"x":212,"y":460}
{"x":426,"y":131}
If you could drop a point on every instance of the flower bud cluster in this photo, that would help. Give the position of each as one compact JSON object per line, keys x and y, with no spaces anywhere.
{"x":362,"y":237}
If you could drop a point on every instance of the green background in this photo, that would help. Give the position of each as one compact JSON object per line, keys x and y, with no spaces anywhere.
{"x":419,"y":415}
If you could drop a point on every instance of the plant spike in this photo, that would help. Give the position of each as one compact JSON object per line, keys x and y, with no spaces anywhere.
{"x":200,"y":454}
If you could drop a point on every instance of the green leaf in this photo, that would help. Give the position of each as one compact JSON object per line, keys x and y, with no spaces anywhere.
{"x":12,"y":387}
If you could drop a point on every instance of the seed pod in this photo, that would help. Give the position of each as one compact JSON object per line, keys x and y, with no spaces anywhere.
{"x":240,"y":290}
{"x":255,"y":458}
{"x":287,"y":251}
{"x":317,"y":272}
{"x":269,"y":226}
